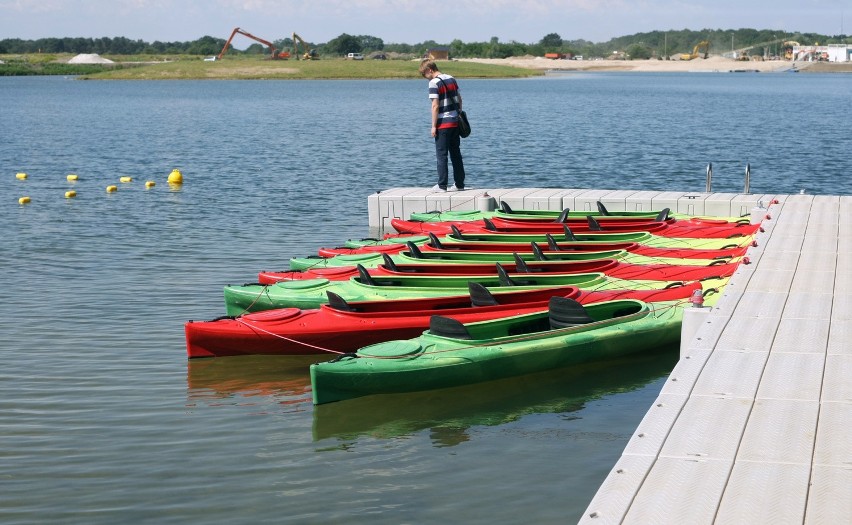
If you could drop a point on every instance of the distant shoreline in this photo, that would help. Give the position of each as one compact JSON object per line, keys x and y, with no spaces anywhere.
{"x":712,"y":64}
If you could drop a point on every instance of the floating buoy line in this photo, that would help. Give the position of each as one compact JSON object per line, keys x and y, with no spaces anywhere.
{"x":174,"y":179}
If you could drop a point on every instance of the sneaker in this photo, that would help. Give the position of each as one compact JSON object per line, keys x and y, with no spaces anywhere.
{"x":453,"y":188}
{"x":437,"y":188}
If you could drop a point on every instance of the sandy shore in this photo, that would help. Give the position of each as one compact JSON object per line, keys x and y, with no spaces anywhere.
{"x":712,"y":64}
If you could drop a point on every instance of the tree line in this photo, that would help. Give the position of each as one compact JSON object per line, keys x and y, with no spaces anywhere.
{"x":654,"y":44}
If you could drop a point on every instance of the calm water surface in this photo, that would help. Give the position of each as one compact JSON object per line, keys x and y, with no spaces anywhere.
{"x":103,"y":420}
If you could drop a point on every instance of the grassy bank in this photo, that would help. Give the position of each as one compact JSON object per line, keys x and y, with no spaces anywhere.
{"x":193,"y":67}
{"x":302,"y":69}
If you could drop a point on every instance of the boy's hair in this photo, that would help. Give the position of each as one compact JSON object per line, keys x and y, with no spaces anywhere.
{"x":427,"y":64}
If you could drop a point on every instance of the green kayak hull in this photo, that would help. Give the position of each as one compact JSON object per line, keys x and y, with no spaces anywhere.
{"x":648,"y":239}
{"x":311,"y":293}
{"x":371,"y":260}
{"x":496,"y":349}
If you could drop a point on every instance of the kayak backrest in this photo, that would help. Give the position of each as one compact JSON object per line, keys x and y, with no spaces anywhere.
{"x":434,"y":241}
{"x":447,"y":327}
{"x":602,"y":209}
{"x":505,"y":208}
{"x":563,"y":216}
{"x":338,"y":303}
{"x":536,"y":249}
{"x":565,"y":312}
{"x":569,"y":235}
{"x":663,"y":215}
{"x":413,"y":250}
{"x":364,"y":276}
{"x":593,"y":224}
{"x":456,"y":232}
{"x":480,"y":296}
{"x":551,"y":243}
{"x":520,"y":264}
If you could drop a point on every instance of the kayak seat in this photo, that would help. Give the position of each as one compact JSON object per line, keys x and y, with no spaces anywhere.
{"x":480,"y":296}
{"x":551,"y":243}
{"x":434,"y":241}
{"x":569,"y":235}
{"x":593,"y":224}
{"x":505,"y":208}
{"x":602,"y":209}
{"x":364,"y":276}
{"x":563,"y":216}
{"x":389,"y":264}
{"x":456,"y":233}
{"x":413,"y":251}
{"x":663,"y":215}
{"x":339,"y":303}
{"x":505,"y":280}
{"x":536,"y":249}
{"x":565,"y":312}
{"x":489,"y":225}
{"x":447,"y":327}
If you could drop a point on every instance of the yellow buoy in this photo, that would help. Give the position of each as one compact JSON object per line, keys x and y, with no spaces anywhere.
{"x":126,"y":179}
{"x":24,"y":200}
{"x":111,"y":189}
{"x":150,"y":184}
{"x":72,"y":177}
{"x":20,"y":176}
{"x":175,"y":177}
{"x":70,"y":194}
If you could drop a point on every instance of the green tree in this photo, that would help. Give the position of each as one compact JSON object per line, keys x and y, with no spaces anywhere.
{"x":343,"y":45}
{"x":551,"y":43}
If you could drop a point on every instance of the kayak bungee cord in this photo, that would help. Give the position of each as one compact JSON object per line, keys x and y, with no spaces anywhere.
{"x":285,"y":338}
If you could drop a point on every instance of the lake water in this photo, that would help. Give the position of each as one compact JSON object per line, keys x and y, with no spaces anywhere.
{"x":103,"y":420}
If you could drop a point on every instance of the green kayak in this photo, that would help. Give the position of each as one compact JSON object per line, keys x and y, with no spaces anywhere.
{"x":371,"y":260}
{"x":645,"y":238}
{"x":311,"y":293}
{"x":506,"y":212}
{"x":452,"y":354}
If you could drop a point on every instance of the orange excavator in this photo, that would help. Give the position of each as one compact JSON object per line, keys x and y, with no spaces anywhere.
{"x":273,"y":53}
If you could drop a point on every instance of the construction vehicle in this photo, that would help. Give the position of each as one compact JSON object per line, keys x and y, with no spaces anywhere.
{"x":273,"y":53}
{"x":697,"y":50}
{"x":308,"y":54}
{"x":788,"y":49}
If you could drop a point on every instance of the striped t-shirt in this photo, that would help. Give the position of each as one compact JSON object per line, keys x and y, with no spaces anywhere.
{"x":445,"y":89}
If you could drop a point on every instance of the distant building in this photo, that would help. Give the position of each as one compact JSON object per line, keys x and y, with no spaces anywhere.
{"x":438,"y":53}
{"x":829,"y":53}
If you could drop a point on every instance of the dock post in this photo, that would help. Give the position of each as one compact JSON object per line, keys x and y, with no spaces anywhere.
{"x":709,"y":177}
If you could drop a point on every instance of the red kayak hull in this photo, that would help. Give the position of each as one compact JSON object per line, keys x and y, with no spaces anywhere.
{"x":291,"y":331}
{"x":568,"y":246}
{"x":686,"y":229}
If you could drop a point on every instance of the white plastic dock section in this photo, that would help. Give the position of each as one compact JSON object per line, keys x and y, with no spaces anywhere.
{"x":754,"y":424}
{"x":400,"y":203}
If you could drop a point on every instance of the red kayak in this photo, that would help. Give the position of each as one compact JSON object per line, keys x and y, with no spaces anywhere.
{"x":340,"y":327}
{"x":613,"y":268}
{"x":567,"y":246}
{"x":686,"y":229}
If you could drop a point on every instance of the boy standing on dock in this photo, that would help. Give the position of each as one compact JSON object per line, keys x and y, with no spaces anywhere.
{"x":446,"y":104}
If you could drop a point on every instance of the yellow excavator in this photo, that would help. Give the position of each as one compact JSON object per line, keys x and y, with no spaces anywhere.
{"x":697,"y":50}
{"x":308,"y":54}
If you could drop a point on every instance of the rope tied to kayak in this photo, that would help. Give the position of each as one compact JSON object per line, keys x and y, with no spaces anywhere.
{"x":285,"y":338}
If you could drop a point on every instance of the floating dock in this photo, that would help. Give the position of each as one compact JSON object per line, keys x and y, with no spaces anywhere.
{"x":753,"y":424}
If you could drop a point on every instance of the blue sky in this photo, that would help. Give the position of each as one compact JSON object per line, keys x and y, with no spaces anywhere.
{"x":409,"y":21}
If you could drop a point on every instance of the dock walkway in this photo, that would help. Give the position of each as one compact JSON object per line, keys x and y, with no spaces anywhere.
{"x":753,"y":424}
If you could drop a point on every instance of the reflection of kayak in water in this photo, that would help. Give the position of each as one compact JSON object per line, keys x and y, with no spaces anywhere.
{"x":450,"y":412}
{"x":284,"y":378}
